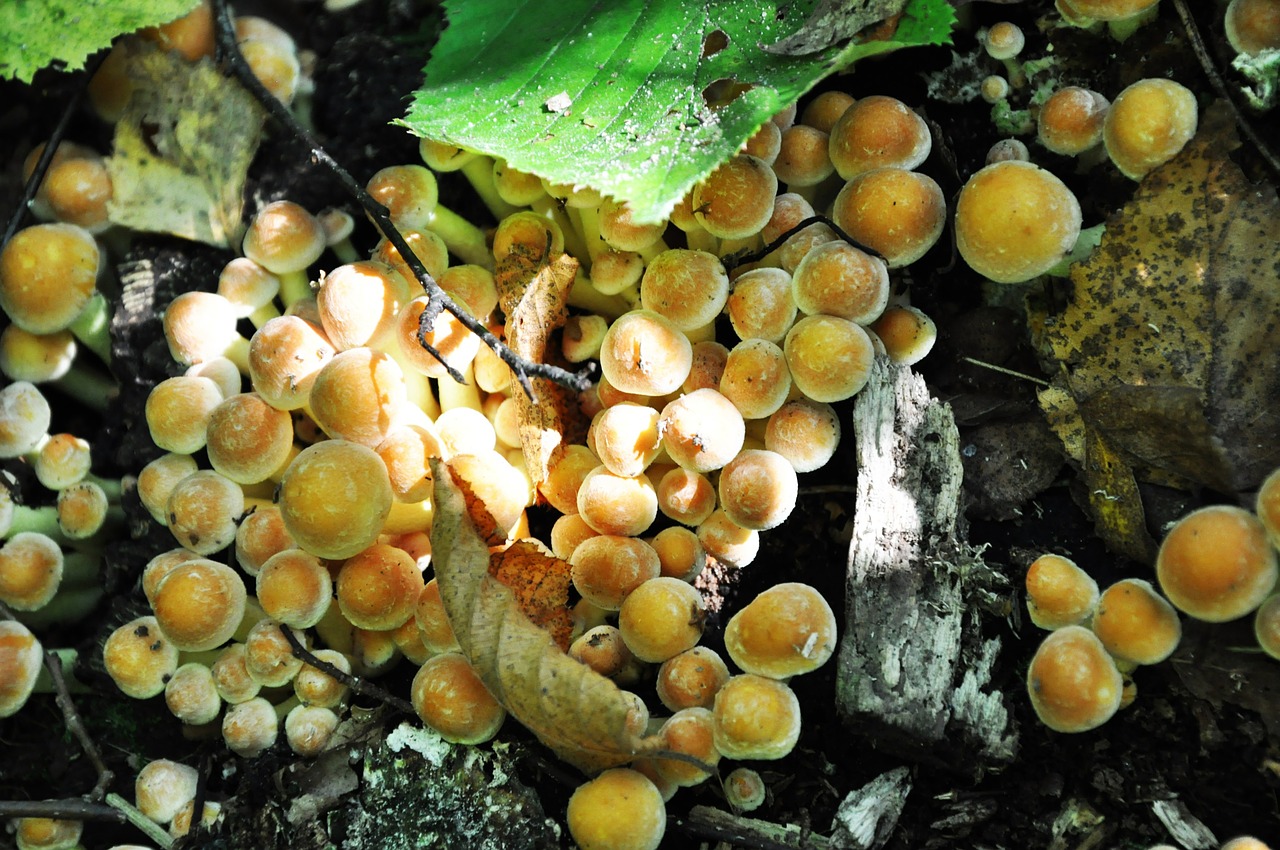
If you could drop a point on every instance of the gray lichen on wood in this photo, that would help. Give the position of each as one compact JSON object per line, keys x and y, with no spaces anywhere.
{"x":914,"y":672}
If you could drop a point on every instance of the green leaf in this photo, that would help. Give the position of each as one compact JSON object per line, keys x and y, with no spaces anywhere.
{"x":38,"y":33}
{"x":611,"y":95}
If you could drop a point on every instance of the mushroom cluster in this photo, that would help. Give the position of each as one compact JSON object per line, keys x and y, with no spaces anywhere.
{"x":1216,"y":564}
{"x":294,"y":435}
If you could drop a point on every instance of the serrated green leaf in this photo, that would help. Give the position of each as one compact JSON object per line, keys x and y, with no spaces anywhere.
{"x":610,"y":95}
{"x":37,"y":33}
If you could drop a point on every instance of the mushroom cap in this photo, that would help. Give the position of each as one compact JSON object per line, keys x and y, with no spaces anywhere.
{"x":140,"y":658}
{"x":199,"y":604}
{"x":191,"y":694}
{"x":702,"y":430}
{"x":409,"y":192}
{"x":685,"y":496}
{"x":898,"y":214}
{"x":1004,"y":40}
{"x":294,"y":588}
{"x":48,"y":273}
{"x":689,"y":732}
{"x":1073,"y":683}
{"x":163,"y":787}
{"x":1015,"y":220}
{"x":379,"y":587}
{"x":178,"y":410}
{"x":1109,"y":10}
{"x":502,"y":488}
{"x":726,"y":541}
{"x":64,"y":459}
{"x":645,"y":353}
{"x":736,"y":200}
{"x":1267,"y":506}
{"x":679,"y":552}
{"x":285,"y":354}
{"x":758,"y":489}
{"x":335,"y":497}
{"x":877,"y":132}
{"x":606,"y":569}
{"x":744,"y":790}
{"x":21,"y":659}
{"x":316,"y":687}
{"x":756,"y":718}
{"x":907,"y":333}
{"x":284,"y":237}
{"x":248,"y":440}
{"x":621,"y":809}
{"x":1266,"y":626}
{"x":250,"y":728}
{"x":309,"y":728}
{"x":760,"y":307}
{"x":203,"y":509}
{"x":231,"y":675}
{"x":268,"y":655}
{"x":199,"y":326}
{"x":1135,"y":623}
{"x":1148,"y":124}
{"x":30,"y":570}
{"x":620,"y":230}
{"x":691,"y":678}
{"x":78,"y":190}
{"x":25,"y":417}
{"x":805,"y":432}
{"x":787,"y":630}
{"x":804,"y":156}
{"x":825,"y":109}
{"x":1253,"y":26}
{"x":661,"y":618}
{"x":688,"y":288}
{"x":626,"y":438}
{"x":358,"y":395}
{"x":157,"y":479}
{"x":1216,"y":564}
{"x":837,"y":279}
{"x":261,"y":534}
{"x":82,"y":509}
{"x":1059,"y":593}
{"x":450,"y":698}
{"x":36,"y":358}
{"x":1070,"y":121}
{"x":358,"y":302}
{"x":617,"y":504}
{"x":830,"y":358}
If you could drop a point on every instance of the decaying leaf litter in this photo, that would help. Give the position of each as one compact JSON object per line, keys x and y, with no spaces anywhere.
{"x":1125,"y":453}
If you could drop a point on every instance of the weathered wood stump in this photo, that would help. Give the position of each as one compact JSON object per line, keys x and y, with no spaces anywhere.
{"x":914,"y":668}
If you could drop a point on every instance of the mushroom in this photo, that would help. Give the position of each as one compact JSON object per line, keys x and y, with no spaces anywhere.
{"x":1070,"y":121}
{"x":162,"y":787}
{"x":758,"y":489}
{"x":617,"y":504}
{"x":285,"y":355}
{"x":691,"y":678}
{"x":248,"y":441}
{"x":378,"y":588}
{"x":804,"y":156}
{"x":294,"y":588}
{"x":191,"y":694}
{"x":335,"y":497}
{"x":830,"y":357}
{"x":824,"y":110}
{"x":48,"y":278}
{"x":1148,"y":123}
{"x":688,"y":288}
{"x":24,"y":419}
{"x":139,"y":658}
{"x":756,"y":718}
{"x":21,"y":660}
{"x":268,"y":654}
{"x":1073,"y":683}
{"x":308,"y":729}
{"x":661,"y":618}
{"x":603,"y":650}
{"x":645,"y":353}
{"x":1266,"y":626}
{"x":626,"y":438}
{"x":250,"y":728}
{"x":898,"y":214}
{"x":1253,"y":26}
{"x":1135,"y":623}
{"x":680,"y":555}
{"x":756,"y":378}
{"x":702,"y":430}
{"x":607,"y":568}
{"x":907,"y":333}
{"x":726,"y":541}
{"x":787,"y":630}
{"x":1014,"y":221}
{"x":449,"y":697}
{"x":621,"y":809}
{"x":314,"y":686}
{"x":736,"y":200}
{"x":619,"y":229}
{"x":285,"y":239}
{"x":744,"y":789}
{"x":203,"y":510}
{"x":199,"y":604}
{"x":1059,"y":593}
{"x":760,"y":307}
{"x":877,"y":132}
{"x":1216,"y":564}
{"x":689,"y":732}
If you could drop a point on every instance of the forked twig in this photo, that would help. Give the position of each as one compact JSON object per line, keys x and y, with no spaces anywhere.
{"x":438,"y":299}
{"x":355,"y":683}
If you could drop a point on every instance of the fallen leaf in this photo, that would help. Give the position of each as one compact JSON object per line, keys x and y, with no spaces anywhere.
{"x":182,"y":151}
{"x":533,"y":292}
{"x":1167,"y":345}
{"x":540,"y":582}
{"x":834,"y":21}
{"x":571,"y":708}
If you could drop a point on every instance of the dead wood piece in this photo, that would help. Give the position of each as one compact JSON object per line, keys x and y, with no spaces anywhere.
{"x":867,"y":817}
{"x":752,"y":833}
{"x":914,"y":670}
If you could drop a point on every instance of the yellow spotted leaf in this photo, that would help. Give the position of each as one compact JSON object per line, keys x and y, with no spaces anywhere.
{"x":1167,"y":346}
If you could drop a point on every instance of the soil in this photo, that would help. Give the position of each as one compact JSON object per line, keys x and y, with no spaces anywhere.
{"x":1202,"y":740}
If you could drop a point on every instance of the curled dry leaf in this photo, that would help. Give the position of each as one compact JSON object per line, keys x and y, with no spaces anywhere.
{"x":1167,"y":345}
{"x":577,"y":712}
{"x":533,"y":292}
{"x":540,"y":584}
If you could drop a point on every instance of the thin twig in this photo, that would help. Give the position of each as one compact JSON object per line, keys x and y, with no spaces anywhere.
{"x":50,"y":147}
{"x":1220,"y":86}
{"x":75,"y":808}
{"x":738,"y":258}
{"x":355,"y":683}
{"x":438,"y":299}
{"x":1003,"y":371}
{"x":144,"y":824}
{"x":76,"y":726}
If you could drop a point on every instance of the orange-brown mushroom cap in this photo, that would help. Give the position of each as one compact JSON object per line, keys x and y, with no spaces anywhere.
{"x":1073,"y":683}
{"x":1216,"y":564}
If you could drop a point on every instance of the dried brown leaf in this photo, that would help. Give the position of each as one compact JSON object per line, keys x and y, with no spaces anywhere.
{"x":533,"y":292}
{"x":577,"y":712}
{"x":540,"y":582}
